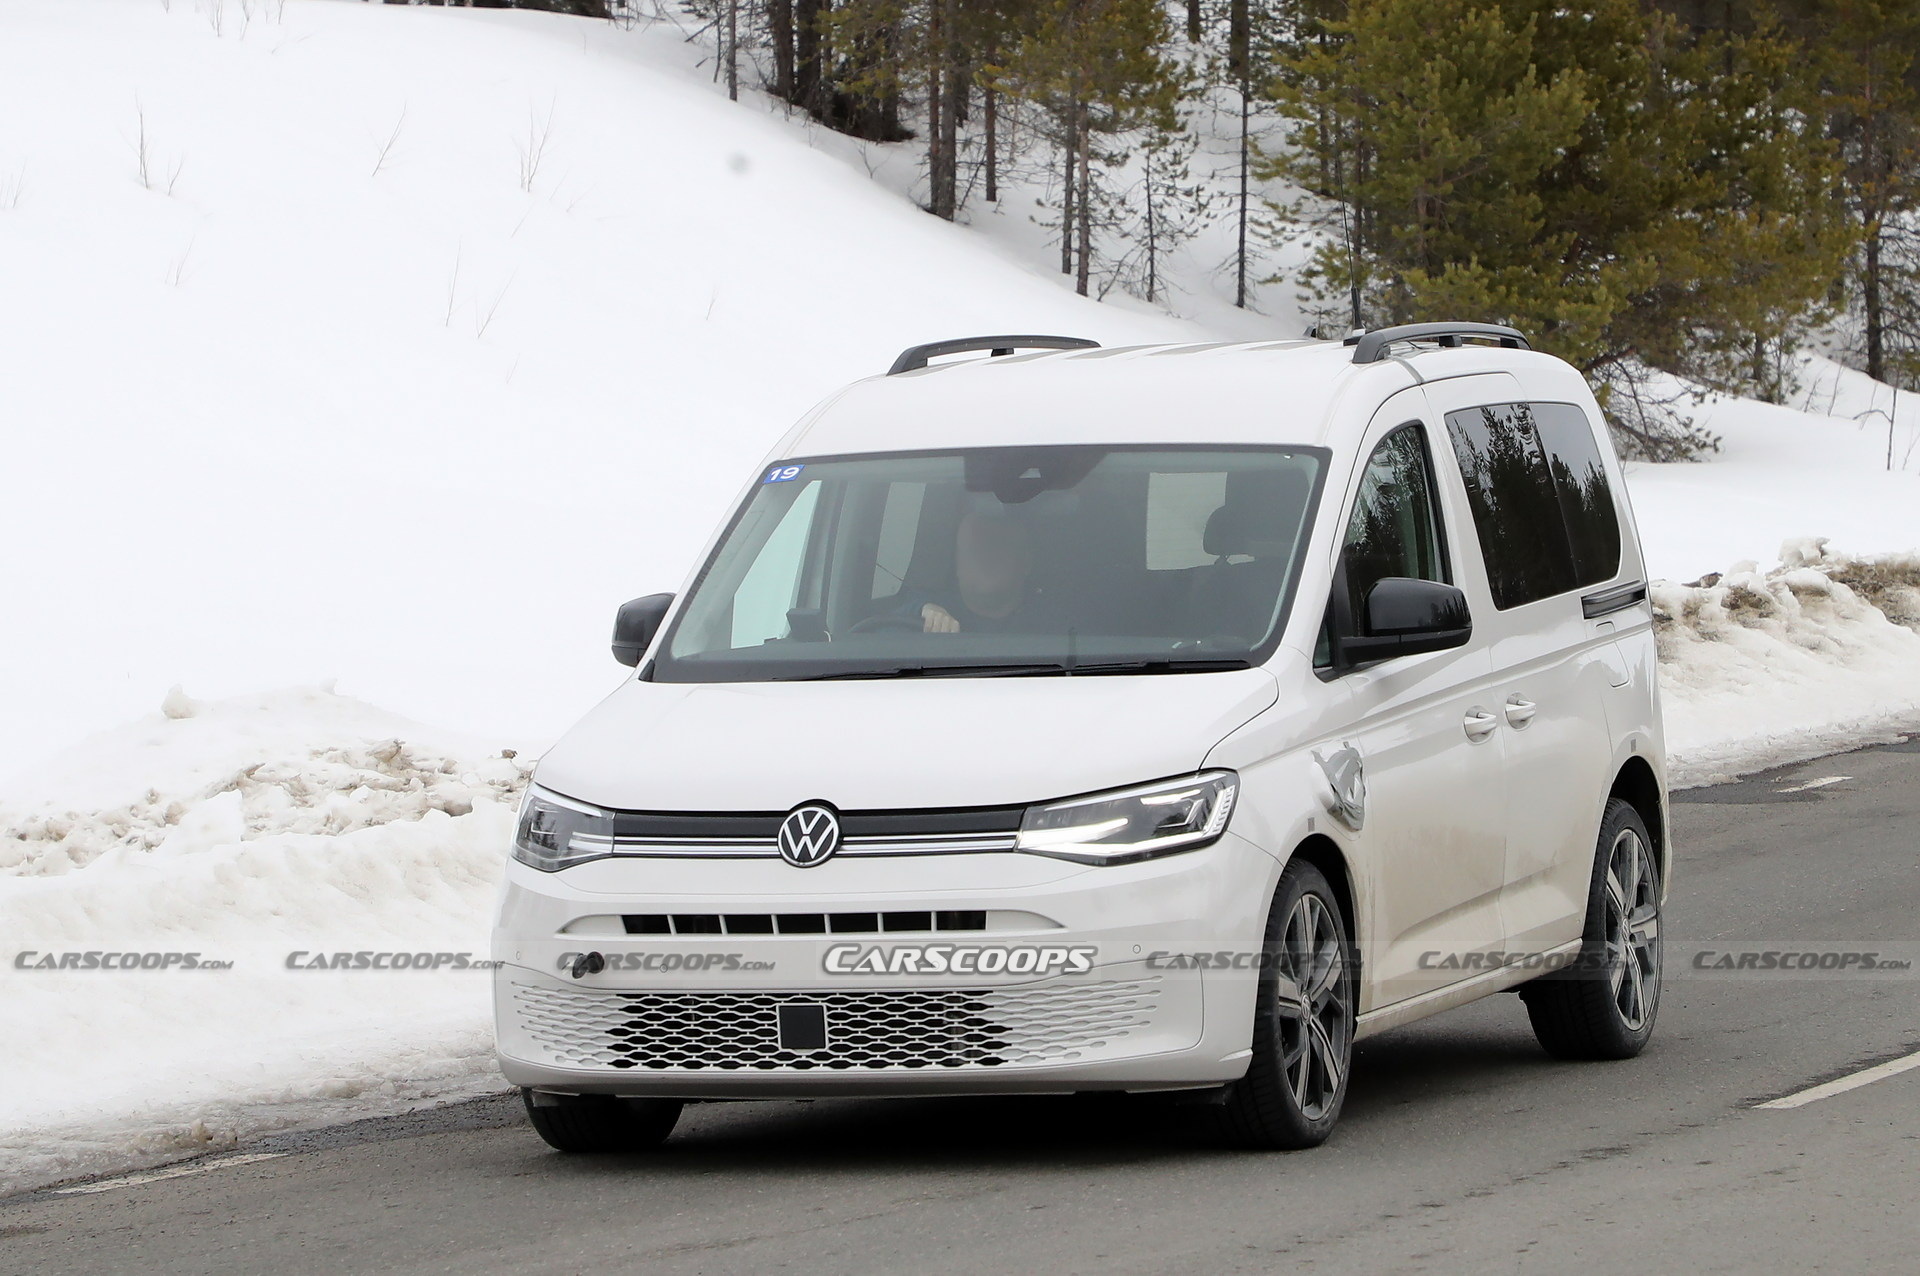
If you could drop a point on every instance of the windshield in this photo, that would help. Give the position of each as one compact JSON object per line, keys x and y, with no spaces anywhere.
{"x":1002,"y":561}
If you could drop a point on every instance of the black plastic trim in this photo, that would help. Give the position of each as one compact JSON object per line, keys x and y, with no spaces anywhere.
{"x":1371,"y":347}
{"x":635,"y":625}
{"x":804,"y":923}
{"x":914,"y":358}
{"x":1607,"y":601}
{"x":758,"y":826}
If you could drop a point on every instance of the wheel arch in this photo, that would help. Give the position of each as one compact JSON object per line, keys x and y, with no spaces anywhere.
{"x":1636,"y":784}
{"x":1325,"y":854}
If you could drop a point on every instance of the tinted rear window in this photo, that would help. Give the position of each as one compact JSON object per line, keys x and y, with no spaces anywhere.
{"x":1516,"y":512}
{"x":1586,"y":498}
{"x":1541,"y":502}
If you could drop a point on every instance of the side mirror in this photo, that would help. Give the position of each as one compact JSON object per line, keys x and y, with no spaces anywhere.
{"x":1405,"y":617}
{"x":636,"y":624}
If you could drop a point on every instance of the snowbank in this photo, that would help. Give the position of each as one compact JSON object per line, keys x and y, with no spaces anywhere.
{"x":242,"y":832}
{"x":1758,"y":669}
{"x":198,"y":776}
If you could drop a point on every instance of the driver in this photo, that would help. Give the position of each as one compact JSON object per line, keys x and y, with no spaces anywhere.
{"x":992,"y":561}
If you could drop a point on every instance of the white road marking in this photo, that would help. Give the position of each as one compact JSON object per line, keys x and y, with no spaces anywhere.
{"x":178,"y":1171}
{"x":1820,"y":783}
{"x":1826,"y":1090}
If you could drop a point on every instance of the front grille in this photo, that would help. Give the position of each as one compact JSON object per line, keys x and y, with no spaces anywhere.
{"x":698,"y":835}
{"x":802,"y":923}
{"x":875,"y":1029}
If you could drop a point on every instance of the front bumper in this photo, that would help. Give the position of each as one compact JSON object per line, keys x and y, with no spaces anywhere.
{"x":700,"y":1016}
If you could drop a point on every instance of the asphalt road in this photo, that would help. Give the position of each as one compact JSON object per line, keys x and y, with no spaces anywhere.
{"x":1462,"y":1147}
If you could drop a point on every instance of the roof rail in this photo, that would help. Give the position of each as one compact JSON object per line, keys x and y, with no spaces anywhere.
{"x":1371,"y":347}
{"x":916,"y":357}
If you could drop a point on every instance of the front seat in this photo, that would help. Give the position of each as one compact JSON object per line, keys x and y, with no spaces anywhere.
{"x":1252,"y":538}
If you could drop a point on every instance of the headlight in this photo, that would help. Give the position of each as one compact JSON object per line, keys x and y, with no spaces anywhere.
{"x":557,"y":832}
{"x":1133,"y":824}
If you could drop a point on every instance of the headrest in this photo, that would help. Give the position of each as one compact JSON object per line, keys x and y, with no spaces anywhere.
{"x":1259,"y":516}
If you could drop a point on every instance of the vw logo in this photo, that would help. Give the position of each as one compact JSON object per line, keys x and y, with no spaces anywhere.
{"x":809,"y":836}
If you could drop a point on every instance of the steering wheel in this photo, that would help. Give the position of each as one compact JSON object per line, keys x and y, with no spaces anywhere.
{"x":888,"y":622}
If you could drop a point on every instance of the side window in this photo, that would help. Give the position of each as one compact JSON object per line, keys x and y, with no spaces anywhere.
{"x":1516,"y":512}
{"x":1586,"y":498}
{"x":1395,"y":526}
{"x":1542,"y":506}
{"x":769,"y":587}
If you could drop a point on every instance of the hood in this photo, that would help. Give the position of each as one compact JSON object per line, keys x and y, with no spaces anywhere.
{"x":898,"y":743}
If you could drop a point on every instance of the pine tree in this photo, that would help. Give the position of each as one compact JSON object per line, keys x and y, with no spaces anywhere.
{"x":1096,"y":70}
{"x":1865,"y":56}
{"x":929,"y":50}
{"x":1630,"y":196}
{"x":1169,"y":205}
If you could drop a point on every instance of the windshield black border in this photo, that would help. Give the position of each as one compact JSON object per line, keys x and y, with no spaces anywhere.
{"x":1256,"y":657}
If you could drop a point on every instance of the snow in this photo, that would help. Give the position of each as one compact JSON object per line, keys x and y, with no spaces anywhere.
{"x":1196,"y":278}
{"x":297,"y":414}
{"x":356,"y":402}
{"x":420,"y":429}
{"x":198,"y":775}
{"x":243,"y":831}
{"x":1815,"y":468}
{"x":344,"y":392}
{"x":1762,"y":668}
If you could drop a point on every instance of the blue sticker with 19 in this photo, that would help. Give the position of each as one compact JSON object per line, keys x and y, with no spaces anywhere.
{"x":784,"y":473}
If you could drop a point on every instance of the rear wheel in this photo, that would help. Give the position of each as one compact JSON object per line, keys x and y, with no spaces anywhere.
{"x":1302,"y":1022}
{"x":1603,"y":1007}
{"x":600,"y":1122}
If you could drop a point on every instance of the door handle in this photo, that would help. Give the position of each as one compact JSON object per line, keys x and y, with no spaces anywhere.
{"x":1479,"y":724}
{"x":1520,"y":710}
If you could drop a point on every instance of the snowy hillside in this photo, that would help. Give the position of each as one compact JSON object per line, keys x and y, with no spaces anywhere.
{"x":398,"y":345}
{"x":433,"y":336}
{"x":1815,"y":467}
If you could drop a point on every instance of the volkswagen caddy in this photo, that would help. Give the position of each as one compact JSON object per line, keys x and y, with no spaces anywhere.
{"x":1066,"y":718}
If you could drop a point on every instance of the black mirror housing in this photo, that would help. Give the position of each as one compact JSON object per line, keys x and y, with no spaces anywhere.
{"x":635,"y":626}
{"x":1401,"y":605}
{"x":1406,"y":617}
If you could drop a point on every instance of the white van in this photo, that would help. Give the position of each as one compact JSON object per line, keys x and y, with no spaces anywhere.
{"x":1162,"y":718}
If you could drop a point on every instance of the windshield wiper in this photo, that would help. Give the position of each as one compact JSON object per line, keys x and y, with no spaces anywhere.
{"x":922,"y":671}
{"x":1045,"y":669}
{"x":1202,"y":664}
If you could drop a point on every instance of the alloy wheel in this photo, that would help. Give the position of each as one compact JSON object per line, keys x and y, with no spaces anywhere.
{"x":1632,"y":934}
{"x":1315,"y":1021}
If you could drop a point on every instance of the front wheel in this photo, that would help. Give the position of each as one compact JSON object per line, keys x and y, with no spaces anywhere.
{"x":1604,"y":1005}
{"x":600,"y":1122}
{"x":1303,"y":1021}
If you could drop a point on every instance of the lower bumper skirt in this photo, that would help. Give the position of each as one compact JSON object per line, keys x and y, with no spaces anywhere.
{"x":1121,"y":1028}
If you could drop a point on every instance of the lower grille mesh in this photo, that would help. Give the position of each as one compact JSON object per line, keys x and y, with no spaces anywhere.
{"x":877,"y":1029}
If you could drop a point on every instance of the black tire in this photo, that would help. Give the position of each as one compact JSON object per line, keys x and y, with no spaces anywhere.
{"x":1296,"y":1081}
{"x":1603,"y":1005}
{"x":600,"y":1122}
